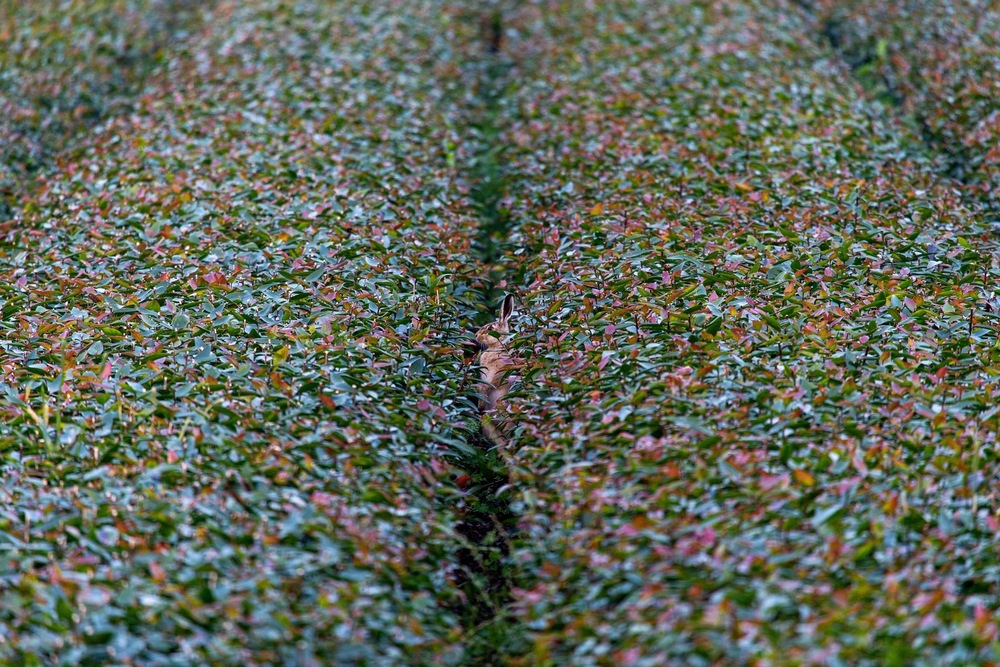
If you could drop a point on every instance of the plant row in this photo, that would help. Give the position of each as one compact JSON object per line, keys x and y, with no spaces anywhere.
{"x":759,"y":374}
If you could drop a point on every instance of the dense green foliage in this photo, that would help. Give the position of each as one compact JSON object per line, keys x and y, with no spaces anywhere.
{"x":939,"y":63}
{"x":755,"y":412}
{"x":759,"y":415}
{"x":65,"y":65}
{"x":227,"y":327}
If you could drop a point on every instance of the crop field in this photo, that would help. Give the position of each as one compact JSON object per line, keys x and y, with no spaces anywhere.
{"x":754,"y":362}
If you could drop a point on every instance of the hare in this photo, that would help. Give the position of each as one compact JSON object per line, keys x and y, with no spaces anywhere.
{"x":494,"y":360}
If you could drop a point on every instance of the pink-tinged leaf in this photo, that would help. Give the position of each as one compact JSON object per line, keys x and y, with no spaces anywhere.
{"x":627,"y":657}
{"x":216,"y":279}
{"x":628,"y":530}
{"x":981,"y":615}
{"x":768,"y":482}
{"x":157,"y":572}
{"x":321,"y":499}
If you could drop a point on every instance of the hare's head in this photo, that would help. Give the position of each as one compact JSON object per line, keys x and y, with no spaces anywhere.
{"x":486,"y":336}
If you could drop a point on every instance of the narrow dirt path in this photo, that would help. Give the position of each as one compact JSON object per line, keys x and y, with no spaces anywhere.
{"x":489,"y":522}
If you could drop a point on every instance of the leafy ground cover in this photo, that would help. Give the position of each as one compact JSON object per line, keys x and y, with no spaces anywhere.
{"x":229,"y":329}
{"x":64,"y":66}
{"x":940,"y":64}
{"x":755,"y":414}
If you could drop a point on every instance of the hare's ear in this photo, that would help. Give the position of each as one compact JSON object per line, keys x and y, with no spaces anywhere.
{"x":507,"y":308}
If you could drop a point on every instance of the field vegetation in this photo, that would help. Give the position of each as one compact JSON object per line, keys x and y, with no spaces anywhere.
{"x":753,"y":416}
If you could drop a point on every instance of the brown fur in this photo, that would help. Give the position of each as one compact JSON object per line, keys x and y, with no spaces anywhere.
{"x":494,"y":360}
